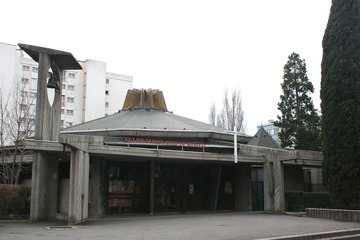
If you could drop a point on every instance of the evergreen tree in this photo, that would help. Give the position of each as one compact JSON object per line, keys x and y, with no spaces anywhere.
{"x":340,"y":95}
{"x":299,"y":121}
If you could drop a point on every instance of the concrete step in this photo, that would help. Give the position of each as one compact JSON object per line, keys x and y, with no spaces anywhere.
{"x":331,"y":235}
{"x":354,"y":236}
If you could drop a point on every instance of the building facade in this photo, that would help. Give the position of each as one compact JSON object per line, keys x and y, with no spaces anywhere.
{"x":145,"y":159}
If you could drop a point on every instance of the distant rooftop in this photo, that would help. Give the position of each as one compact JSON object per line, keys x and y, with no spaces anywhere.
{"x":263,"y":139}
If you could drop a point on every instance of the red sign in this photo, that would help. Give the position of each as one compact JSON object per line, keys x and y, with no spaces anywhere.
{"x":164,"y":142}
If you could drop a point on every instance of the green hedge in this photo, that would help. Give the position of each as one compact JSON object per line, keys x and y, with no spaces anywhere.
{"x":298,"y":201}
{"x":14,"y":201}
{"x":316,"y":200}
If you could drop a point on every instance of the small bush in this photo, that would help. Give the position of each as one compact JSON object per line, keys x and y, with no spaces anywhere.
{"x":294,"y":201}
{"x":14,"y":201}
{"x":298,"y":201}
{"x":316,"y":200}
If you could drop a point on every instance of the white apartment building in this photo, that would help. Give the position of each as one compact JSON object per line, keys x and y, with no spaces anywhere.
{"x":87,"y":94}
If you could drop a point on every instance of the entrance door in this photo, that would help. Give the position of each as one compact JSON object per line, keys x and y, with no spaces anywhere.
{"x":226,"y":200}
{"x":197,"y":188}
{"x":167,"y":188}
{"x":128,"y":187}
{"x":257,"y":187}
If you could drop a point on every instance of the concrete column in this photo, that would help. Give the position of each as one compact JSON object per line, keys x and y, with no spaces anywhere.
{"x":95,"y":190}
{"x":152,"y":187}
{"x":79,"y":186}
{"x":45,"y":167}
{"x":268,"y":187}
{"x":215,"y":172}
{"x":243,"y":187}
{"x":44,"y":189}
{"x":279,"y":193}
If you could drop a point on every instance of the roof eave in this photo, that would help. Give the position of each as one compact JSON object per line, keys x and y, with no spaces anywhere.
{"x":162,"y":133}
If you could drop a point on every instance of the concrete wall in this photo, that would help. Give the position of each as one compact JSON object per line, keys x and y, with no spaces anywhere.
{"x":94,"y":89}
{"x":7,"y":64}
{"x":334,"y":214}
{"x":63,"y":196}
{"x":243,"y":187}
{"x":117,"y":89}
{"x":293,"y":178}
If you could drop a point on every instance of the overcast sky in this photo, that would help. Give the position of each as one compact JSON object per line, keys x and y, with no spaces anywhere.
{"x":191,"y":50}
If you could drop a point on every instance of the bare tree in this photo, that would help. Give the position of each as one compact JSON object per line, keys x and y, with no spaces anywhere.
{"x":17,"y":117}
{"x":212,"y":115}
{"x":231,"y":113}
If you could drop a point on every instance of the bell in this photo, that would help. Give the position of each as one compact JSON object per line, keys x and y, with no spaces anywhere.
{"x":52,"y":81}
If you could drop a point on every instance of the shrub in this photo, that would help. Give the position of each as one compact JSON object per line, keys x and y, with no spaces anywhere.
{"x":14,"y":201}
{"x":298,"y":201}
{"x":316,"y":200}
{"x":294,"y":201}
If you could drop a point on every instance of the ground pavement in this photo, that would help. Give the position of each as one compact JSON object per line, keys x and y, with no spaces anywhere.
{"x":209,"y":226}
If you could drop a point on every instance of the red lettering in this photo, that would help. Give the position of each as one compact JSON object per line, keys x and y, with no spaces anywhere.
{"x":170,"y":143}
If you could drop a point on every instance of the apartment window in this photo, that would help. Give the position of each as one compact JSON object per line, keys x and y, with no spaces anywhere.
{"x":69,"y":124}
{"x":23,"y":107}
{"x":62,"y":100}
{"x":35,"y":69}
{"x":63,"y":86}
{"x":24,"y":80}
{"x":24,"y":94}
{"x":107,"y":81}
{"x":106,"y":104}
{"x":71,"y":75}
{"x":33,"y":95}
{"x":70,"y":99}
{"x":33,"y":84}
{"x":71,"y":87}
{"x":107,"y":92}
{"x":62,"y":111}
{"x":31,"y":133}
{"x":61,"y":124}
{"x":70,"y":112}
{"x":32,"y":109}
{"x":25,"y":68}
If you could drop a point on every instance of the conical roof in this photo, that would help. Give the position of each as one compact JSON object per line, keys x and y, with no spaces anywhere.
{"x":263,"y":139}
{"x":149,"y":119}
{"x":145,"y":114}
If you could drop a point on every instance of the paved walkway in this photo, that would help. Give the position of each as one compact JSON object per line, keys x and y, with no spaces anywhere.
{"x":226,"y":226}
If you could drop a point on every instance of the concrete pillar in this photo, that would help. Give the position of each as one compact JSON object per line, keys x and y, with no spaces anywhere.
{"x":79,"y":186}
{"x":45,"y":167}
{"x":268,"y":187}
{"x":97,"y":207}
{"x":215,"y":173}
{"x":279,"y":193}
{"x":44,"y":189}
{"x":243,"y":187}
{"x":152,"y":187}
{"x":40,"y":190}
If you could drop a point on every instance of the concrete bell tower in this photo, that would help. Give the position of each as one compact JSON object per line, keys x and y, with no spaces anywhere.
{"x":44,"y":188}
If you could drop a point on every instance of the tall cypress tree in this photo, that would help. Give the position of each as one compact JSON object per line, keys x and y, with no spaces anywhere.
{"x":340,"y":95}
{"x":299,"y":121}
